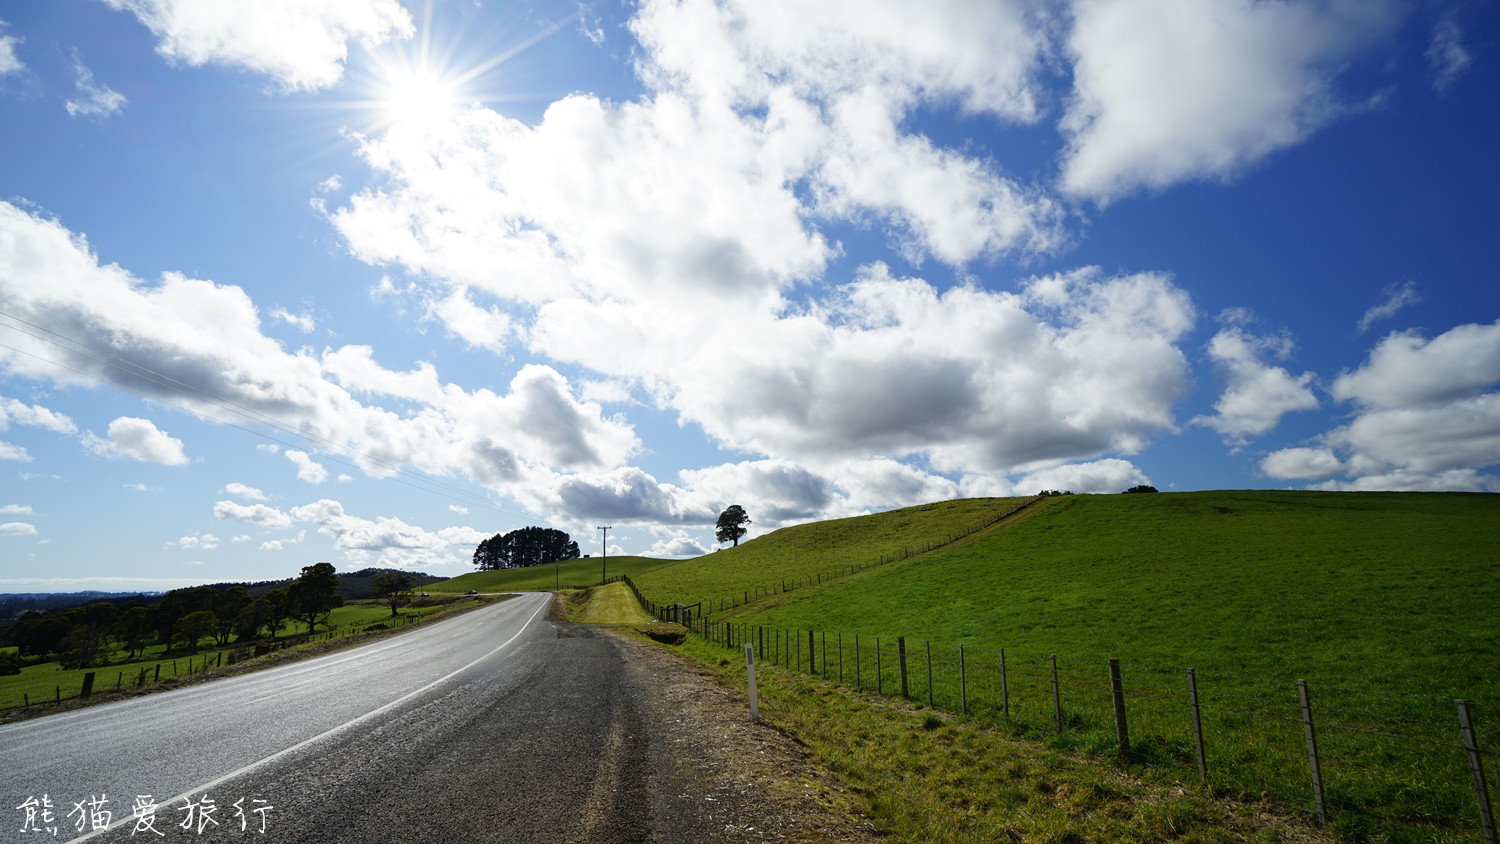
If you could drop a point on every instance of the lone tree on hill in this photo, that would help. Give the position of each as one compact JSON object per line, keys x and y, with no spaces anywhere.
{"x":731,"y":524}
{"x":528,"y":546}
{"x":1142,"y":488}
{"x":313,"y":596}
{"x":394,"y":588}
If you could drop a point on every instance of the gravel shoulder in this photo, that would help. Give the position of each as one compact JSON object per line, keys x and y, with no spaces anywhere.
{"x":716,"y":775}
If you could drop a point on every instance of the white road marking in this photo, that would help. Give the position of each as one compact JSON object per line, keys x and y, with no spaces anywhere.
{"x":187,"y":795}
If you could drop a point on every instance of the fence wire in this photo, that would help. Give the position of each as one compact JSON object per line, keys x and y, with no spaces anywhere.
{"x":1390,"y":765}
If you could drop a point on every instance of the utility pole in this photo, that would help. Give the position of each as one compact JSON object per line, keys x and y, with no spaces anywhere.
{"x":606,"y":528}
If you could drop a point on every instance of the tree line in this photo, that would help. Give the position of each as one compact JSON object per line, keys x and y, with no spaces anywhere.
{"x":81,"y":637}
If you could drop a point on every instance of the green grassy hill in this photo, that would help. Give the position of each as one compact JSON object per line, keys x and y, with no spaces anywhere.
{"x":1385,"y":602}
{"x":825,"y":552}
{"x":1385,"y":590}
{"x":572,"y":574}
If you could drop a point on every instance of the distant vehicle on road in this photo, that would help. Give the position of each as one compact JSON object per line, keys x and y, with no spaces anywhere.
{"x":472,"y":592}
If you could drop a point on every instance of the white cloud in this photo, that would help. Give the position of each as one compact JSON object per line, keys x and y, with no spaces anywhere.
{"x":302,"y":322}
{"x":281,"y":544}
{"x":1447,"y":57}
{"x":1405,"y":370}
{"x":308,"y":469}
{"x":34,"y":415}
{"x":256,"y":514}
{"x":1397,"y":297}
{"x":9,"y":61}
{"x":196,"y":542}
{"x":17,"y":412}
{"x":239,"y":490}
{"x":1257,"y":394}
{"x":197,"y":332}
{"x":301,"y":44}
{"x":1426,"y":416}
{"x":1302,"y":463}
{"x":17,"y":529}
{"x":388,"y":541}
{"x":674,"y":543}
{"x":462,"y":511}
{"x":137,"y":439}
{"x":93,"y":100}
{"x":1173,"y":90}
{"x":15,"y":510}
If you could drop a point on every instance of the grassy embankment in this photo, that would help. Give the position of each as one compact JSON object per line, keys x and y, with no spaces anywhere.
{"x":47,"y":682}
{"x":572,"y":574}
{"x":1392,"y":593}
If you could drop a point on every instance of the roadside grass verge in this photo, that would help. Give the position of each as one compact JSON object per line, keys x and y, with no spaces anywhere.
{"x":934,"y":778}
{"x":46,"y":687}
{"x":569,"y":574}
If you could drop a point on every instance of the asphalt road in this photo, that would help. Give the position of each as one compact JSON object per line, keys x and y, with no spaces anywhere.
{"x":496,"y":725}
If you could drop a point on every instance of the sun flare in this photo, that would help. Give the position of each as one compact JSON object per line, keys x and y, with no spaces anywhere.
{"x":419,"y":97}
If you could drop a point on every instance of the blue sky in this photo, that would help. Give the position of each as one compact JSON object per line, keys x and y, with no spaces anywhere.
{"x":367,"y":281}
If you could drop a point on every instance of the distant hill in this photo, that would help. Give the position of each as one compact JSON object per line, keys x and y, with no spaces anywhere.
{"x":352,"y":585}
{"x":13,"y":604}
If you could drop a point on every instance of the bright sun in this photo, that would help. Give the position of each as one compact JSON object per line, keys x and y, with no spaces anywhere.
{"x":419,"y":97}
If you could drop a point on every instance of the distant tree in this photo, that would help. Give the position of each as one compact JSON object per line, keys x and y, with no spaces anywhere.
{"x":178,"y":603}
{"x":227,"y":606}
{"x":191,"y":628}
{"x":731,"y":524}
{"x":251,"y":619}
{"x":1142,"y":488}
{"x":10,"y":663}
{"x":528,"y":546}
{"x":314,"y":595}
{"x":88,"y":635}
{"x":41,"y":634}
{"x":277,"y":611}
{"x":133,"y":628}
{"x":394,"y":588}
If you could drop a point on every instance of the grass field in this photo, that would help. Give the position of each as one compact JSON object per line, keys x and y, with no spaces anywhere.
{"x":572,"y":574}
{"x":821,"y":552}
{"x":1367,"y":596}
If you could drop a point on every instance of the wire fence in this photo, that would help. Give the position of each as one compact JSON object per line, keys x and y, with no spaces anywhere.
{"x":1368,"y":763}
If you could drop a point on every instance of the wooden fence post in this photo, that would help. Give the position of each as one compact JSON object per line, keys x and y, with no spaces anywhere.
{"x":1312,"y":752}
{"x":88,"y":686}
{"x":929,"y":673}
{"x":901,"y":654}
{"x":963,"y":684}
{"x":1004,"y":687}
{"x":1117,"y":688}
{"x":1197,"y":723}
{"x":1476,"y":771}
{"x":1056,"y":695}
{"x":750,"y":674}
